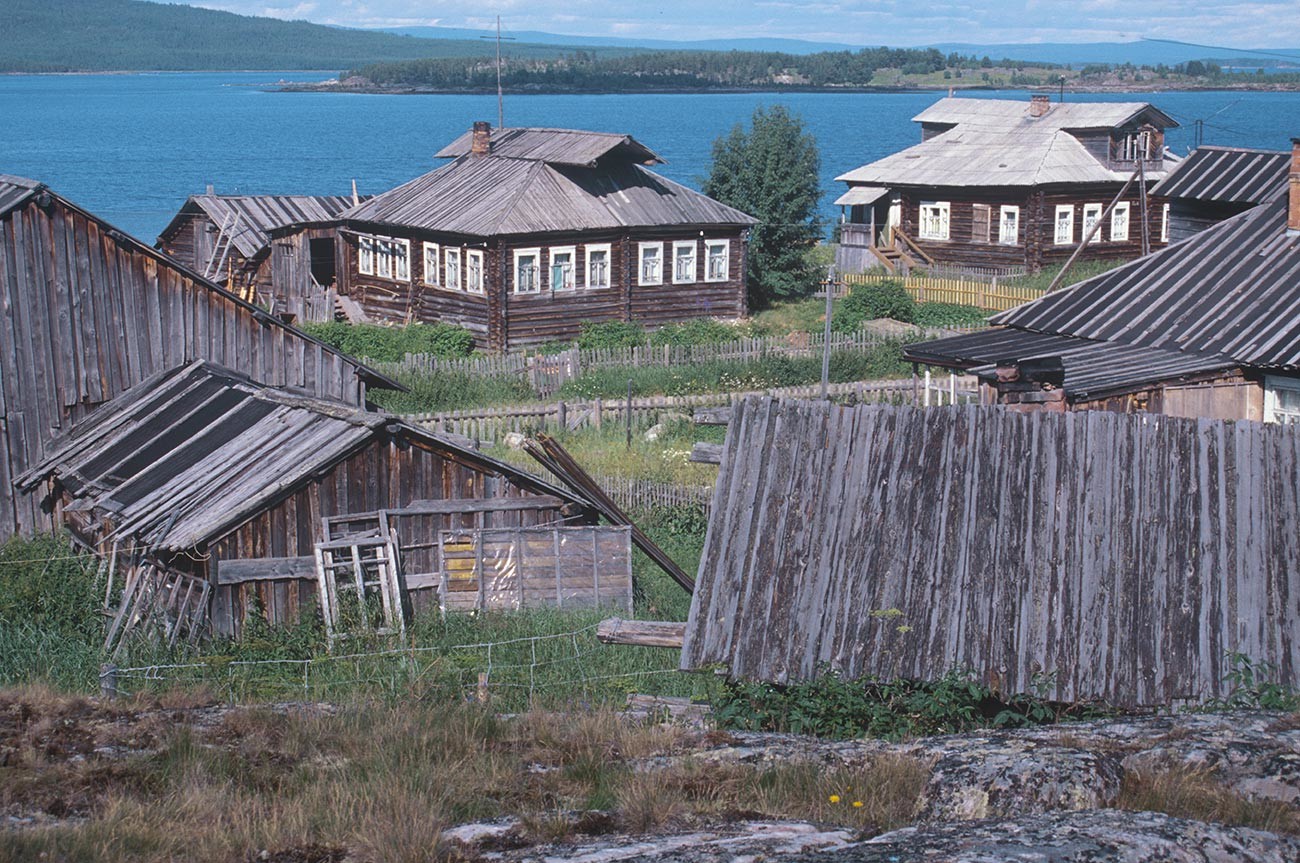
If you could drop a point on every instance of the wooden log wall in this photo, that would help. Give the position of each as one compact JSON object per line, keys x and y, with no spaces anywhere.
{"x":1104,"y":556}
{"x":85,"y":313}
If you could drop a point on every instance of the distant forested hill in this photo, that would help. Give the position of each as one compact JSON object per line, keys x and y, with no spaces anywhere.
{"x":100,"y":35}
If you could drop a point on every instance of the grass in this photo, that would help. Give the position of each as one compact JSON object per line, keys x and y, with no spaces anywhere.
{"x":1195,"y":794}
{"x":1081,"y":270}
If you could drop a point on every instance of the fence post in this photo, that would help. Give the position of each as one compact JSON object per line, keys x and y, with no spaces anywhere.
{"x":108,"y":680}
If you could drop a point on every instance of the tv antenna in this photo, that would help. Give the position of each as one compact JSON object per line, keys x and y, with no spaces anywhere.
{"x":501,"y":105}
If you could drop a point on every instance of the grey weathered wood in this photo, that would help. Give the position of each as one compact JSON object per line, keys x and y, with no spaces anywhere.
{"x":265,"y":569}
{"x":706,"y":453}
{"x":642,"y":633}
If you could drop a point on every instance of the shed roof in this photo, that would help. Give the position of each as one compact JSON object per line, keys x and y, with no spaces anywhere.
{"x":1229,"y":175}
{"x":16,"y":190}
{"x":492,"y":195}
{"x":996,"y":142}
{"x":555,"y":146}
{"x":256,"y":216}
{"x":1232,"y":290}
{"x":193,"y":452}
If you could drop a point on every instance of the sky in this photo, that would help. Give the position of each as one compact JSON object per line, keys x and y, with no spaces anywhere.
{"x":1233,"y":23}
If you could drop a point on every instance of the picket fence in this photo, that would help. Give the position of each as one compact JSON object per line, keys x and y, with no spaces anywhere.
{"x":993,"y":296}
{"x":632,"y":493}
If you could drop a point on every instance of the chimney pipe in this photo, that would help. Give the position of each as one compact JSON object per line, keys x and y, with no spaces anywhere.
{"x":481,"y":143}
{"x":1039,"y":104}
{"x":1293,"y":199}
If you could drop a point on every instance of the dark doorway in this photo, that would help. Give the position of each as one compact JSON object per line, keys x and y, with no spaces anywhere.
{"x":322,"y":261}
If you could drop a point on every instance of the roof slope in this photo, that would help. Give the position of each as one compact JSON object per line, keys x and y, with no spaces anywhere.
{"x":1229,"y":175}
{"x":997,"y":143}
{"x":193,"y":452}
{"x":16,"y":190}
{"x":494,"y":195}
{"x":1232,"y":289}
{"x":258,"y":215}
{"x":556,"y":146}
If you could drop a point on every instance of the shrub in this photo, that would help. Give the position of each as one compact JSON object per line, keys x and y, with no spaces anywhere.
{"x":884,"y":299}
{"x":392,"y":344}
{"x":610,"y":334}
{"x":948,"y":315}
{"x":700,"y":331}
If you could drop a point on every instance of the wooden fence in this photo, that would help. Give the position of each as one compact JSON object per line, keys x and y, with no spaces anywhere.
{"x":1093,"y":555}
{"x":993,"y":296}
{"x":631,"y":493}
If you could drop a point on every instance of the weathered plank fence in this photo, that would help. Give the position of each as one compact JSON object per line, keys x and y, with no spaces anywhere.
{"x":994,"y":296}
{"x":631,"y":493}
{"x":1098,"y":555}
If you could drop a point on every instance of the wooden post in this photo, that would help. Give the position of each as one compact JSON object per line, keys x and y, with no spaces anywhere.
{"x":108,"y":680}
{"x":481,"y":692}
{"x":830,"y":287}
{"x":629,"y":413}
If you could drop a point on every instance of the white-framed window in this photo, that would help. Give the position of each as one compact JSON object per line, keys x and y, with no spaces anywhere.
{"x":383,"y":257}
{"x":1119,"y":222}
{"x":528,"y":271}
{"x":598,"y":265}
{"x":451,"y":266}
{"x":1281,"y":400}
{"x":650,"y":264}
{"x":474,"y":271}
{"x":366,"y":256}
{"x":1091,"y":216}
{"x":402,"y":260}
{"x":564,"y":275}
{"x":1164,"y":224}
{"x":934,"y":220}
{"x":1064,"y":234}
{"x":717,"y":260}
{"x":684,"y":272}
{"x":431,"y":268}
{"x":1009,"y":226}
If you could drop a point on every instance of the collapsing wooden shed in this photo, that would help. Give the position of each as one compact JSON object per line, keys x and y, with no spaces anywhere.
{"x":1104,"y":556}
{"x":212,"y":494}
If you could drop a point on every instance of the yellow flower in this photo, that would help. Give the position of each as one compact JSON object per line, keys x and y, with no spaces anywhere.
{"x":857,"y":804}
{"x":835,"y":798}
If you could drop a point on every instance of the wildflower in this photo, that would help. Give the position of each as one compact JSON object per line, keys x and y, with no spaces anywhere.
{"x":857,"y":804}
{"x":835,"y":798}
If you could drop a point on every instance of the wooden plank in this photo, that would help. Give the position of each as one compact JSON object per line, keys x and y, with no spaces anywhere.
{"x":642,"y":633}
{"x":706,"y":453}
{"x":265,"y":569}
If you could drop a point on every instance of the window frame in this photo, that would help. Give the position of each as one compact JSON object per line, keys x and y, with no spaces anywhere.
{"x":1003,"y":212}
{"x":1063,"y":209}
{"x":366,"y":255}
{"x":1098,"y":210}
{"x":383,"y":258}
{"x":449,"y":254}
{"x":571,"y":282}
{"x":695,"y":261}
{"x":402,"y":274}
{"x":470,"y":287}
{"x":726,"y":260}
{"x":608,"y":249}
{"x":534,"y":252}
{"x":1126,"y":208}
{"x":1273,"y":413}
{"x":436,"y":281}
{"x":943,"y":212}
{"x":642,"y":248}
{"x":1164,"y":223}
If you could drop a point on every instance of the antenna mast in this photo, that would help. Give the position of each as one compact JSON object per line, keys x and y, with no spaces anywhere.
{"x":501,"y":107}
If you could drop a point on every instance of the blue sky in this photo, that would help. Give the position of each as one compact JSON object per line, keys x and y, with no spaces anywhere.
{"x":1236,"y":23}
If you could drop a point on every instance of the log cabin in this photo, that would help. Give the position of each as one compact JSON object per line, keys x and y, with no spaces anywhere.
{"x":218,"y":487}
{"x":1007,"y":186}
{"x":1215,"y":183}
{"x":526,"y":233}
{"x":1206,"y":327}
{"x":89,"y":312}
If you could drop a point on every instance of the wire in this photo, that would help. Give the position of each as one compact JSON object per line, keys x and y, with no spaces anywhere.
{"x":1295,"y":57}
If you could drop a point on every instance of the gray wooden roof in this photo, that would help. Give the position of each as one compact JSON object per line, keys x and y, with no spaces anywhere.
{"x":1232,"y":290}
{"x":996,"y":143}
{"x":16,"y":190}
{"x":259,"y":215}
{"x":556,"y":146}
{"x":190,"y":454}
{"x":1229,"y":175}
{"x":492,"y":195}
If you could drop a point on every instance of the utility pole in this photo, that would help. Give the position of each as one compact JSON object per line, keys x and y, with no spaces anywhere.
{"x":830,"y":286}
{"x":501,"y":105}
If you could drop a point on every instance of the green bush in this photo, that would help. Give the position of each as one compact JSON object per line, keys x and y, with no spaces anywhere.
{"x":948,"y":315}
{"x":884,"y":299}
{"x":700,"y":331}
{"x":392,"y":344}
{"x":610,"y":334}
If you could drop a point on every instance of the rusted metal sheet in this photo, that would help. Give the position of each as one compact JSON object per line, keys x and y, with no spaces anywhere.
{"x":1088,"y":555}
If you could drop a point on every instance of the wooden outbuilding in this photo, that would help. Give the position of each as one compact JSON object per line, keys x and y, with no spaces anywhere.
{"x":526,"y":233}
{"x":1216,"y":183}
{"x":89,"y":312}
{"x":201,"y":483}
{"x":1006,"y":186}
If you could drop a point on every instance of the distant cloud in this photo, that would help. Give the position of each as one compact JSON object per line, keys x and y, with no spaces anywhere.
{"x":1233,"y":23}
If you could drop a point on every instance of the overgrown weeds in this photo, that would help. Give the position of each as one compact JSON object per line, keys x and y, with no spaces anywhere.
{"x":1192,"y":793}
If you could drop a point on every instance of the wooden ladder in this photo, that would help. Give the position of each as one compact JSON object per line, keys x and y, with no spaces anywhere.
{"x":362,"y":569}
{"x":221,"y":249}
{"x":174,"y":602}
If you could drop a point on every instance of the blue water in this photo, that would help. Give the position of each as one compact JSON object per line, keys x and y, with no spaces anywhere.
{"x":131,"y":148}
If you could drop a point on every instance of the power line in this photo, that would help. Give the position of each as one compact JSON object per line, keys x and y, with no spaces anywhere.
{"x":1295,"y":57}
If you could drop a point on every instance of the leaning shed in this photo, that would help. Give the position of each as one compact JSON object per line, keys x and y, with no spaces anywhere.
{"x":1092,"y":555}
{"x":89,"y":312}
{"x":202,"y":483}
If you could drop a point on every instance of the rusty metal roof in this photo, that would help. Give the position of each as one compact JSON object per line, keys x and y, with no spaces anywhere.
{"x":1230,"y":175}
{"x":256,"y":216}
{"x":188,"y":455}
{"x":488,"y":196}
{"x":556,"y":146}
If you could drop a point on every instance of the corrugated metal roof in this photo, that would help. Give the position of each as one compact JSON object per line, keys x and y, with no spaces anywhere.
{"x":1228,"y":175}
{"x":488,"y":196}
{"x":987,"y":346}
{"x":555,"y":146}
{"x":15,"y":190}
{"x":861,"y":195}
{"x":258,"y":215}
{"x":998,"y":113}
{"x":1232,"y":290}
{"x":184,"y":457}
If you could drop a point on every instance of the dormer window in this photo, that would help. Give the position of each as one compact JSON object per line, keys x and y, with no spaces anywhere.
{"x":1137,"y":145}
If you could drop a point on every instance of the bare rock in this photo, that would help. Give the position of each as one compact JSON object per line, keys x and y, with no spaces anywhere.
{"x":514,"y":440}
{"x":745,"y":841}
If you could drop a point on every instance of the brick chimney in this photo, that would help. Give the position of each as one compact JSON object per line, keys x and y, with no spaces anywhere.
{"x":1039,"y":104}
{"x":1293,"y":202}
{"x":481,"y":144}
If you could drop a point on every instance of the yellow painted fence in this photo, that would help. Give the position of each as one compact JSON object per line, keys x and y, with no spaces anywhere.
{"x":990,"y":296}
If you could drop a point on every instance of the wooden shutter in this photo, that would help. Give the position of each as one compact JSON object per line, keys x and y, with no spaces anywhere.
{"x":981,"y":223}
